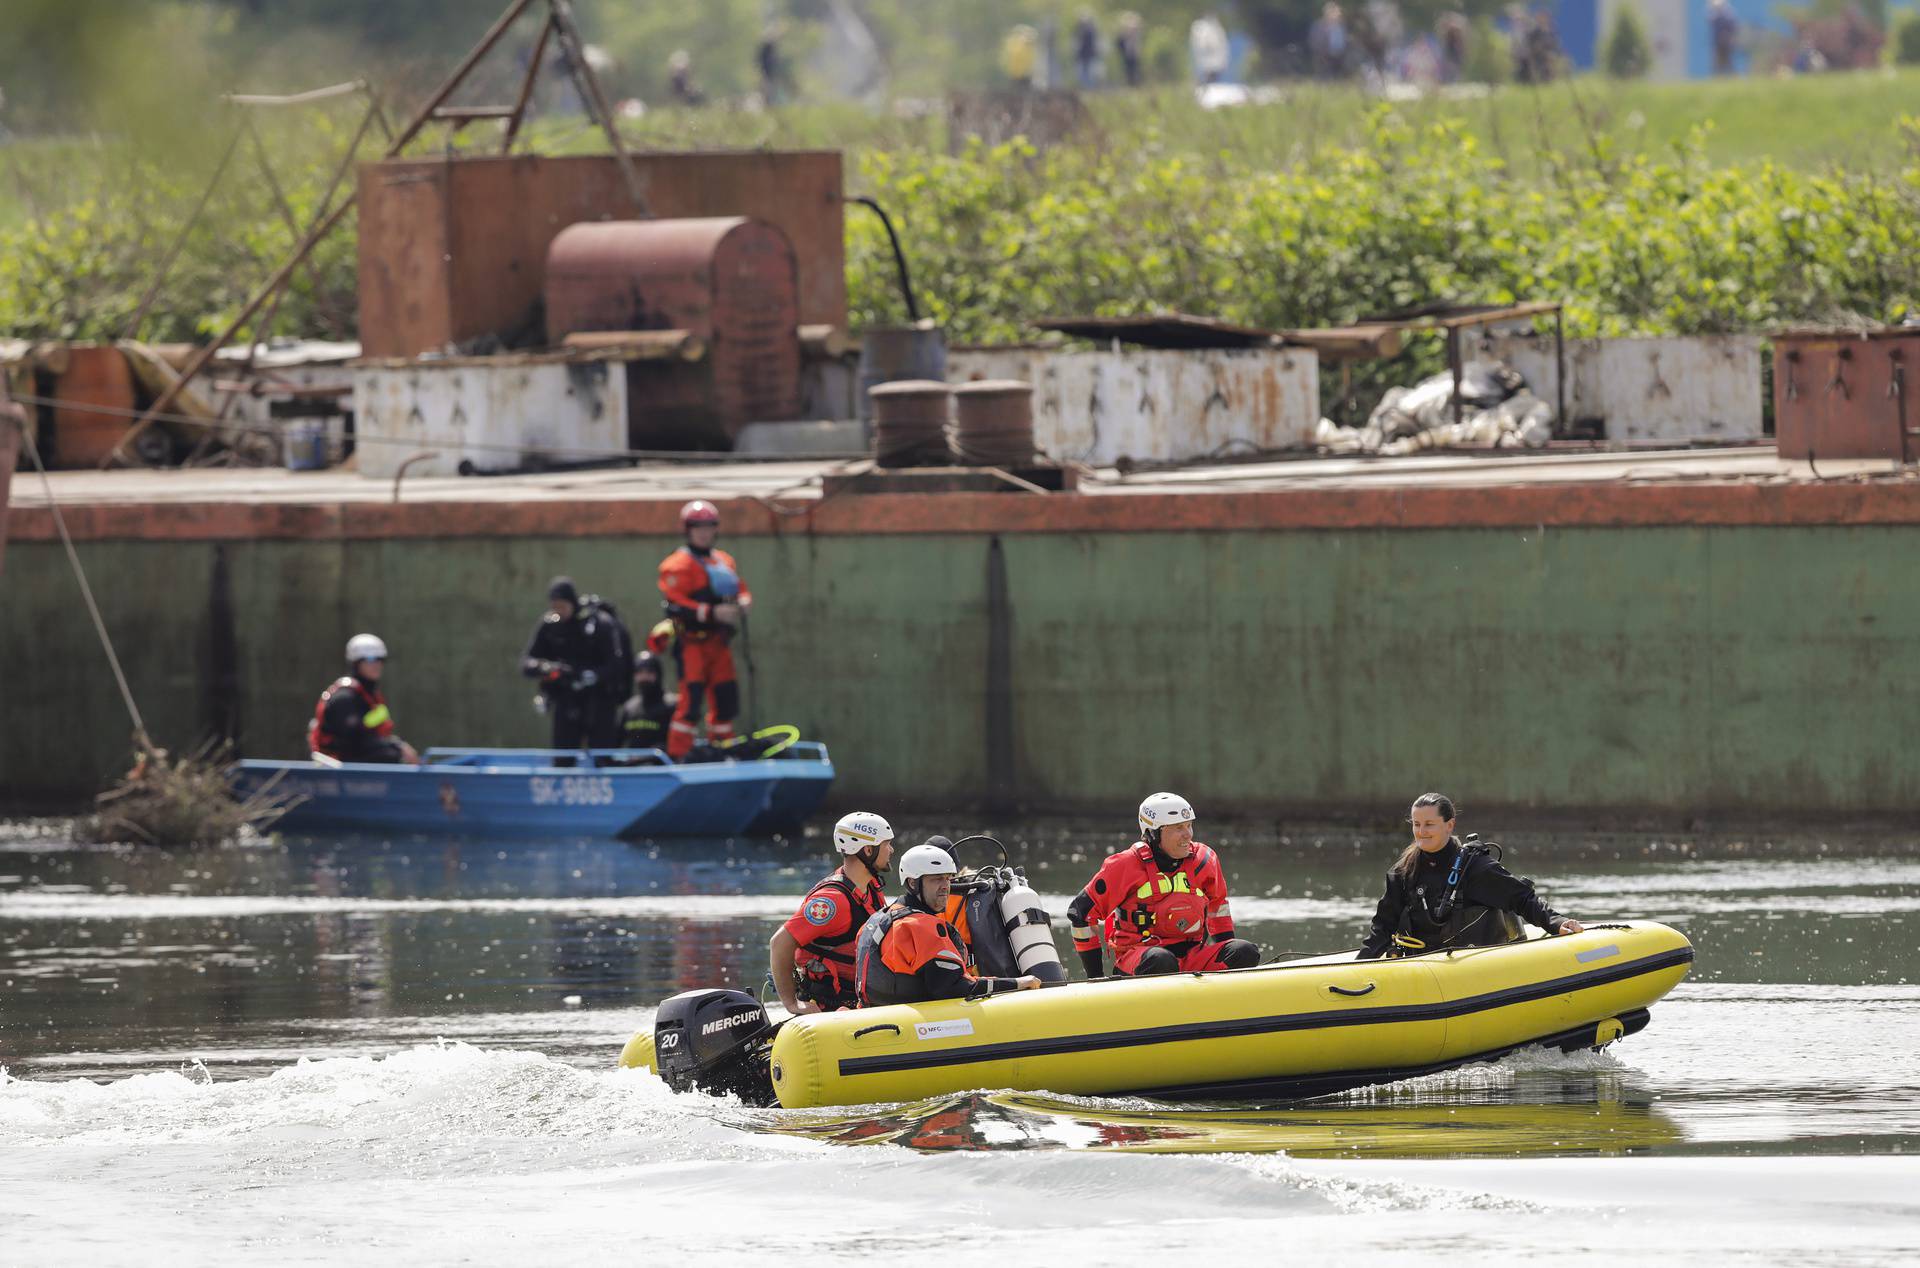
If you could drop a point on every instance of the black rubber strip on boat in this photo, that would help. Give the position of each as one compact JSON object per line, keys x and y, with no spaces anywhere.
{"x":1241,"y":1027}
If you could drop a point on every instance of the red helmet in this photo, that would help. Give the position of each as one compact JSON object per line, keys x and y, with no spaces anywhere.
{"x":699,"y":511}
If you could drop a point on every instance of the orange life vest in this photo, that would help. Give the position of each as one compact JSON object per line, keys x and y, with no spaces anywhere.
{"x":378,"y":720}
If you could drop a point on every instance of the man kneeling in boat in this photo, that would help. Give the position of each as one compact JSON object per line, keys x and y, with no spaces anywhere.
{"x":811,"y":956}
{"x":911,"y":953}
{"x":1161,"y":904}
{"x":352,"y":722}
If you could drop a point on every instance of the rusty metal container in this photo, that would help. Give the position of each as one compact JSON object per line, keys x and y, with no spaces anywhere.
{"x":892,"y":354}
{"x":451,"y":249}
{"x":96,"y":375}
{"x":910,"y":422}
{"x":1847,"y":395}
{"x":732,"y":282}
{"x":993,"y":423}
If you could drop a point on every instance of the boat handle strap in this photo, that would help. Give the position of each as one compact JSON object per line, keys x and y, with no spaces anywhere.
{"x":1341,"y":990}
{"x":868,"y":1030}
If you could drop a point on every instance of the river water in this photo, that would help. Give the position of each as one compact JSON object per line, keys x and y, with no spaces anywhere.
{"x":310,"y":1050}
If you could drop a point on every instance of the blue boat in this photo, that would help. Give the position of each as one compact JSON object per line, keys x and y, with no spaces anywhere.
{"x":506,"y":792}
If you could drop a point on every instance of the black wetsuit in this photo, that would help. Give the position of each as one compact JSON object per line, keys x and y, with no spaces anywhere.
{"x":576,"y":661}
{"x":643,"y":719}
{"x":1486,"y":891}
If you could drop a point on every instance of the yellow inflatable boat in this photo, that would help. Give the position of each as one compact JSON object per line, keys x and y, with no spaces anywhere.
{"x":1282,"y":1031}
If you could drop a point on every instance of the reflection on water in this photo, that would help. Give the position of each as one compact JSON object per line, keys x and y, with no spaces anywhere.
{"x":121,"y":961}
{"x":1461,"y":1128}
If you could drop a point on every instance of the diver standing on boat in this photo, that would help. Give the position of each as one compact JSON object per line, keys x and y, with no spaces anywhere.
{"x":575,"y":655}
{"x":352,"y":723}
{"x":702,"y":591}
{"x":810,"y":958}
{"x":1161,"y":904}
{"x":910,"y":953}
{"x":1443,"y":893}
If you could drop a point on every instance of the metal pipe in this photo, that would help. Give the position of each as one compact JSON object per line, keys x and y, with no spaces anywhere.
{"x":280,"y":195}
{"x":589,"y":84}
{"x":899,"y":256}
{"x":424,"y":115}
{"x":525,"y":97}
{"x":333,"y":186}
{"x":1453,"y":363}
{"x":1560,"y":367}
{"x":401,"y":473}
{"x":295,"y":99}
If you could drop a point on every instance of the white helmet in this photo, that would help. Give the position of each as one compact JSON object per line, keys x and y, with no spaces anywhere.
{"x":860,"y":830}
{"x":365,"y":647}
{"x":1157,"y":811}
{"x":926,"y":860}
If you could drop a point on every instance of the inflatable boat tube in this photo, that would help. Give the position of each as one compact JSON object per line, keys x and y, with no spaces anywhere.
{"x":1297,"y":1029}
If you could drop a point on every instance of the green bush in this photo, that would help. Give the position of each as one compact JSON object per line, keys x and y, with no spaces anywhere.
{"x":1628,"y":54}
{"x":1633,"y":245}
{"x":1489,"y":54}
{"x":1906,"y":40}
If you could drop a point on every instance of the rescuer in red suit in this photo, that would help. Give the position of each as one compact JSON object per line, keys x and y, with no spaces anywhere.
{"x":701,"y":589}
{"x":1161,"y":904}
{"x":810,"y":958}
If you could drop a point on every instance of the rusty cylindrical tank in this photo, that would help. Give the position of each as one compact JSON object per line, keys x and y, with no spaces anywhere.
{"x":910,"y":422}
{"x":891,"y":354}
{"x":729,"y":280}
{"x":993,"y":423}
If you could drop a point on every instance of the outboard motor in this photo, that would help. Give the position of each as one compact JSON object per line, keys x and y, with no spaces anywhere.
{"x":716,"y":1041}
{"x":1012,"y":933}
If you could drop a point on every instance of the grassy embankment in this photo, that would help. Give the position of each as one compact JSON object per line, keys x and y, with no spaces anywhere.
{"x":1652,"y":208}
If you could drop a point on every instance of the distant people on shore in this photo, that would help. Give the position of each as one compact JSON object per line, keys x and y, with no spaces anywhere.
{"x":1207,"y":44}
{"x":680,"y":80}
{"x":1537,"y":55}
{"x":1088,"y":57}
{"x":1020,"y":57}
{"x":771,"y":64}
{"x":1451,"y":34}
{"x":1723,"y":28}
{"x":1330,"y":44}
{"x":1127,"y":44}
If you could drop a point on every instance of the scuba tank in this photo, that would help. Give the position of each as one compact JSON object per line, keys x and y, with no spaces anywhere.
{"x":1029,"y":930}
{"x":1012,"y":935}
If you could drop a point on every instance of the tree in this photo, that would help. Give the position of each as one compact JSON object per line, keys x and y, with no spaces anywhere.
{"x":1628,"y":54}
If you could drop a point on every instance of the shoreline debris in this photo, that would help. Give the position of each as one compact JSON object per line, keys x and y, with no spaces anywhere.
{"x":185,"y":802}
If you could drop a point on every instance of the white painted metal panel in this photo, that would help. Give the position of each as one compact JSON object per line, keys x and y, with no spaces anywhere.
{"x":1680,"y":389}
{"x":1152,"y":405}
{"x":502,"y":416}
